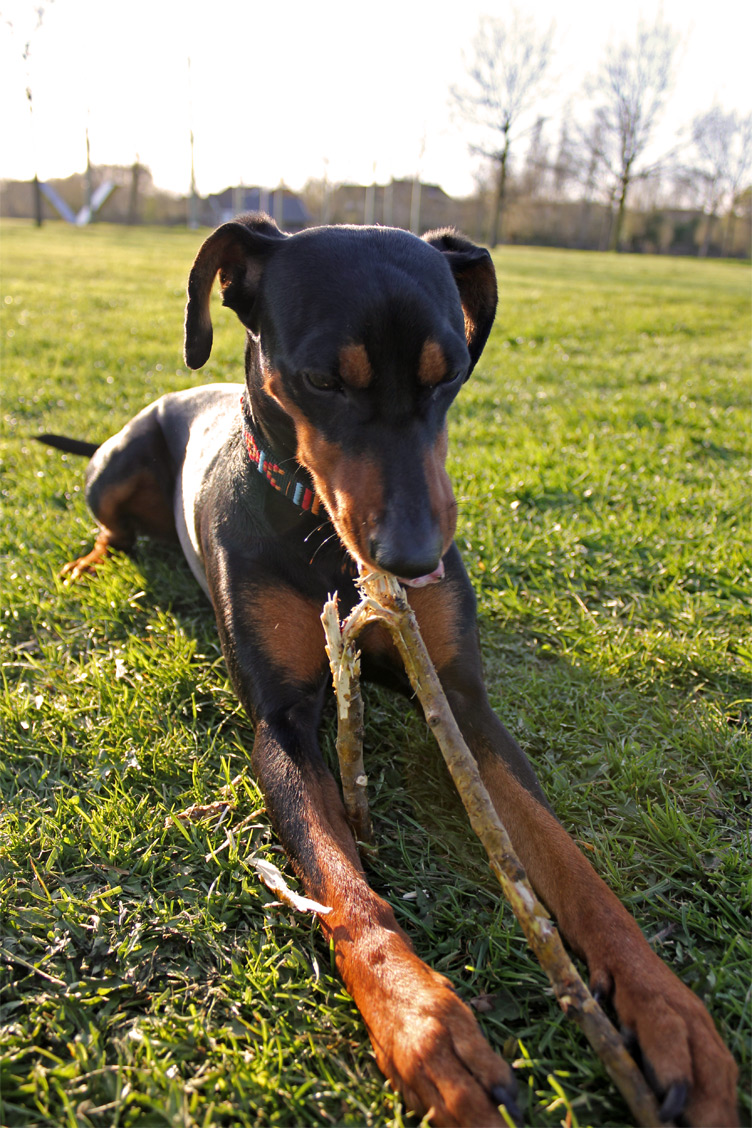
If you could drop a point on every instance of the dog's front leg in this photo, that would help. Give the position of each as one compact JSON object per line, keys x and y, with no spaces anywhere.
{"x":683,"y":1054}
{"x":426,"y":1040}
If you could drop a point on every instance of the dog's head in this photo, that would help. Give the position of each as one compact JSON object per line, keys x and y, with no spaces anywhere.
{"x":359,"y":340}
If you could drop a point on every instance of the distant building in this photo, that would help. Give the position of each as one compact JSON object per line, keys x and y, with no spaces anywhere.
{"x":287,"y":209}
{"x":401,"y":203}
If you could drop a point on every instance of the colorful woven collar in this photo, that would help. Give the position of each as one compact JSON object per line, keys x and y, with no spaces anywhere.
{"x":290,"y":479}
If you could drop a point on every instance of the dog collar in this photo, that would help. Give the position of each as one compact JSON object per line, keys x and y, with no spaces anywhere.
{"x":290,"y":479}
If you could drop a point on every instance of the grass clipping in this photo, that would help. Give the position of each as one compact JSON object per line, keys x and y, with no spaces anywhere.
{"x":383,"y":599}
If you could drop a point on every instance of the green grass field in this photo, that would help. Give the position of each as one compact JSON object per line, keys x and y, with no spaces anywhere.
{"x":601,"y":458}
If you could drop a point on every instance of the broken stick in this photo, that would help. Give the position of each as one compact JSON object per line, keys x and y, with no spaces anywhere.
{"x":384,"y":600}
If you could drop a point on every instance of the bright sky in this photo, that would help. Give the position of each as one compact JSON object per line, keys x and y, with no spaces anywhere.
{"x":294,"y":89}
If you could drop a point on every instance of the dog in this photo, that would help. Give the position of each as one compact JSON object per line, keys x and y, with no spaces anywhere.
{"x":330,"y":459}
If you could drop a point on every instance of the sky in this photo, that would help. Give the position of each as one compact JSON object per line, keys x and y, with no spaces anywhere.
{"x":280,"y":92}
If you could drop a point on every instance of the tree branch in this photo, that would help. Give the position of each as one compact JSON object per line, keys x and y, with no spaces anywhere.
{"x":384,"y":600}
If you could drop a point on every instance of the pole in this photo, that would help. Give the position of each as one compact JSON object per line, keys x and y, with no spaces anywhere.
{"x":193,"y":197}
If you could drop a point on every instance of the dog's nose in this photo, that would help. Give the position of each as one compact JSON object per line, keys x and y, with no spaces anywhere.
{"x":407,"y":556}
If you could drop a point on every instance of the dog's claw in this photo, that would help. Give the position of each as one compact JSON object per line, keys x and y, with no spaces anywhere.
{"x":506,"y":1095}
{"x":674,"y":1101}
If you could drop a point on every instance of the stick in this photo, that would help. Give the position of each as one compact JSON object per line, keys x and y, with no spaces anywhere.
{"x":384,"y":599}
{"x":344,"y":660}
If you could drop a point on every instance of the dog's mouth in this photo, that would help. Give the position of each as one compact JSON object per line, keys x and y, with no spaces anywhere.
{"x":415,"y":582}
{"x":423,"y":581}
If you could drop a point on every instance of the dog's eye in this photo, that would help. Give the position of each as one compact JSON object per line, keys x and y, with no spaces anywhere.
{"x":321,"y":382}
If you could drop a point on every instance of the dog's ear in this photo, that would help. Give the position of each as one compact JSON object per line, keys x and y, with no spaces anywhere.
{"x":476,"y":281}
{"x":238,"y":252}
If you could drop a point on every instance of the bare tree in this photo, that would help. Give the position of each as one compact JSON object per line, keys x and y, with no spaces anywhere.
{"x":587,"y":165}
{"x":537,"y":162}
{"x":723,"y":157}
{"x":566,"y":162}
{"x":38,"y":11}
{"x":510,"y":59}
{"x":630,"y":90}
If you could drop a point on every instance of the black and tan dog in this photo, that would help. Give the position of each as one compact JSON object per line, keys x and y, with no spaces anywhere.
{"x":332,"y":457}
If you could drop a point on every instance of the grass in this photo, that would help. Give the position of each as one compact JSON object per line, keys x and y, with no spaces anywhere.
{"x":601,"y":455}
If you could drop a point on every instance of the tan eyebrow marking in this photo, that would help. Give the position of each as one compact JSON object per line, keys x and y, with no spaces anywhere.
{"x":354,"y":366}
{"x":432,"y":367}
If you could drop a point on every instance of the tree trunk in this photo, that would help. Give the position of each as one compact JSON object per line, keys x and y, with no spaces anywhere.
{"x":607,"y":222}
{"x":501,"y":194}
{"x":618,"y":229}
{"x":37,"y":201}
{"x":133,"y":197}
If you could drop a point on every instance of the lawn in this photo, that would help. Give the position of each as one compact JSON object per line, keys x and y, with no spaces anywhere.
{"x":601,"y":458}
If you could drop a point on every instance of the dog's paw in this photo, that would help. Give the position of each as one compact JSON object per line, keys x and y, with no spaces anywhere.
{"x":85,"y":565}
{"x":75,"y":569}
{"x":682,"y":1055}
{"x":429,"y":1045}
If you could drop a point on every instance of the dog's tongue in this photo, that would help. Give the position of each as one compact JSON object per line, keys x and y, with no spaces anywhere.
{"x":422,"y":581}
